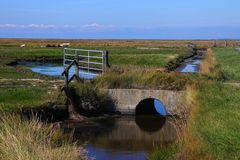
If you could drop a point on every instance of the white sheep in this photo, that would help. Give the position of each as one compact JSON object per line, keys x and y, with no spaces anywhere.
{"x":23,"y":45}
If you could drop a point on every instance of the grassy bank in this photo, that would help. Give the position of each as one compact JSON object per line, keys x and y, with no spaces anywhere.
{"x":90,"y":100}
{"x":12,"y":99}
{"x":27,"y":140}
{"x":11,"y":72}
{"x":144,"y":79}
{"x":214,"y":127}
{"x":208,"y":63}
{"x":212,"y":130}
{"x":228,"y":63}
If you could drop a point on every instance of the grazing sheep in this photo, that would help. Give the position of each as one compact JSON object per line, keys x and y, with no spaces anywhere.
{"x":65,"y":45}
{"x":23,"y":45}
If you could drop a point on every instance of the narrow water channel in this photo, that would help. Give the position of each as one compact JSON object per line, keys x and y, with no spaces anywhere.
{"x":124,"y":138}
{"x":191,"y":65}
{"x":54,"y":69}
{"x":117,"y":138}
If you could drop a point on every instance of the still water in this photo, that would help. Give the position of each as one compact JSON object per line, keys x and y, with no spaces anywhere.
{"x":191,"y":65}
{"x":124,"y":138}
{"x":55,"y":69}
{"x":115,"y":138}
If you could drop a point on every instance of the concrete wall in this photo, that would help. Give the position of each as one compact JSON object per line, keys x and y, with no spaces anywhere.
{"x":126,"y":100}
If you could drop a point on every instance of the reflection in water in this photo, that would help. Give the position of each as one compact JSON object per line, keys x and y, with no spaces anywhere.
{"x":150,"y":123}
{"x":190,"y":66}
{"x":126,"y":137}
{"x":55,"y":69}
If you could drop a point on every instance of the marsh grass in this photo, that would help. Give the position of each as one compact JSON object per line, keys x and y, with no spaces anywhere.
{"x":14,"y":99}
{"x":208,"y":63}
{"x":11,"y":72}
{"x":144,"y":79}
{"x":185,"y":144}
{"x":33,"y":140}
{"x":212,"y":130}
{"x":90,"y":100}
{"x":228,"y":66}
{"x":216,"y":122}
{"x":118,"y":55}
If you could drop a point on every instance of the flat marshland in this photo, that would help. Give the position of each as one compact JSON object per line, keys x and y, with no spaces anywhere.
{"x":212,"y":125}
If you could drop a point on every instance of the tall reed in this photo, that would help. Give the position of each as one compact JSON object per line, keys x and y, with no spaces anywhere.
{"x":209,"y":62}
{"x":33,"y":140}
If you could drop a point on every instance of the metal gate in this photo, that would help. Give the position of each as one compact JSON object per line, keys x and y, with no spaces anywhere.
{"x":92,"y":62}
{"x":88,"y":60}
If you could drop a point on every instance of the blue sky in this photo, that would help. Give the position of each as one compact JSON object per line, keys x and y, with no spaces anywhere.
{"x":120,"y":19}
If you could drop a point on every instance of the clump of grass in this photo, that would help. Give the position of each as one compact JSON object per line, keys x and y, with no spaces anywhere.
{"x":188,"y":142}
{"x":144,"y":79}
{"x":30,"y":139}
{"x":164,"y":153}
{"x":90,"y":100}
{"x":209,"y":62}
{"x":186,"y":145}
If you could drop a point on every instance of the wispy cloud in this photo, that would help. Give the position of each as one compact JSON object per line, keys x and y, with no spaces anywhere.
{"x":96,"y":27}
{"x":85,"y":28}
{"x":22,"y":26}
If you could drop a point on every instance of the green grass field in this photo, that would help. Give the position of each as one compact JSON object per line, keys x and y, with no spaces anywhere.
{"x":213,"y":124}
{"x":228,"y":60}
{"x":118,"y":56}
{"x":12,"y":99}
{"x":216,"y":123}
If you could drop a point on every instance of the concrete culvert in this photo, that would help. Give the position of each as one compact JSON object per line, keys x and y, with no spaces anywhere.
{"x":151,"y":106}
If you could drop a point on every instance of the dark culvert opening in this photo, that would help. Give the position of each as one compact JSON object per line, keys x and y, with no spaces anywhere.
{"x":150,"y":115}
{"x":151,"y":106}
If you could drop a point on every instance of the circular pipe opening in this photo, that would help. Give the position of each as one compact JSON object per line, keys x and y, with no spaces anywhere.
{"x":151,"y":106}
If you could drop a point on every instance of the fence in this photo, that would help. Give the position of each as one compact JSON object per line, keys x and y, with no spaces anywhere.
{"x":89,"y":62}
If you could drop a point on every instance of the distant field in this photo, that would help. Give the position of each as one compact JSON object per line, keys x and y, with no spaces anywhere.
{"x":121,"y":53}
{"x":122,"y":43}
{"x":143,"y":53}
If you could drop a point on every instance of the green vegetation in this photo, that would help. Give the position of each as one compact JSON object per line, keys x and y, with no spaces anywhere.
{"x":216,"y":122}
{"x":33,"y":140}
{"x":9,"y":72}
{"x":15,"y":52}
{"x":212,"y":130}
{"x":228,"y":63}
{"x":118,"y":55}
{"x":165,"y":152}
{"x":213,"y":127}
{"x":12,"y":99}
{"x":144,"y":79}
{"x":90,"y":99}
